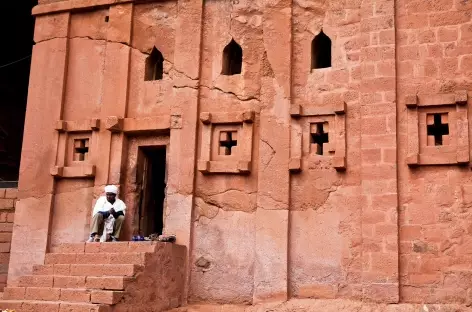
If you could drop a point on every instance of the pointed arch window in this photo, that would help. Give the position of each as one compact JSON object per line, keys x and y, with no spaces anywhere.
{"x":232,"y":59}
{"x":321,"y":51}
{"x":154,"y":66}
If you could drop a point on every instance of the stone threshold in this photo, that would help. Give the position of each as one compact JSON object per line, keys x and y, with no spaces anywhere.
{"x":320,"y":305}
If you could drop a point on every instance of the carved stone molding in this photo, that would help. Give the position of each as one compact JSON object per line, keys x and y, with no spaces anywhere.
{"x":322,"y":137}
{"x":226,"y":142}
{"x":438,"y":129}
{"x":75,"y":148}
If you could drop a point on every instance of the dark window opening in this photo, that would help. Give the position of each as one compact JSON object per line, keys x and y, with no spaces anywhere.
{"x":151,"y":178}
{"x":107,"y":19}
{"x":319,"y":137}
{"x":154,"y":66}
{"x":438,"y":129}
{"x":81,"y":149}
{"x":15,"y":61}
{"x":321,"y":51}
{"x":228,"y":140}
{"x":232,"y":59}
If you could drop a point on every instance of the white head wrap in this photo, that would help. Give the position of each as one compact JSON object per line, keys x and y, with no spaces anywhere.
{"x":111,"y":189}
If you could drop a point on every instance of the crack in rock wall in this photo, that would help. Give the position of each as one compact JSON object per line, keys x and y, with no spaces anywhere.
{"x":333,"y":245}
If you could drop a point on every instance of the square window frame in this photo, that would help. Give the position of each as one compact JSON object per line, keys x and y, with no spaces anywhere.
{"x":67,"y":132}
{"x":335,"y":115}
{"x":418,"y":107}
{"x":212,"y":123}
{"x":217,"y":129}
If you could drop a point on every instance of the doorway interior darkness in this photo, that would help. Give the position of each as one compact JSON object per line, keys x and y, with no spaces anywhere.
{"x":17,"y":26}
{"x":151,"y":177}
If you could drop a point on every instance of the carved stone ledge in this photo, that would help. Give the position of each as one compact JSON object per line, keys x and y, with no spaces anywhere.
{"x":114,"y":124}
{"x":295,"y":165}
{"x":222,"y":166}
{"x":78,"y":126}
{"x":84,"y":171}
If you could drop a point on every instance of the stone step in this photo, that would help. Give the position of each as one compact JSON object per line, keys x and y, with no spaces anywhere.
{"x":108,"y":282}
{"x":91,"y":258}
{"x":63,"y":294}
{"x":56,"y":306}
{"x":67,"y":281}
{"x":93,"y":270}
{"x":117,"y":247}
{"x":105,"y":269}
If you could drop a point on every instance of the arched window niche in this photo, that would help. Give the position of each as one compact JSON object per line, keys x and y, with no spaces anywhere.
{"x":321,"y":51}
{"x":154,"y":66}
{"x":232,"y":59}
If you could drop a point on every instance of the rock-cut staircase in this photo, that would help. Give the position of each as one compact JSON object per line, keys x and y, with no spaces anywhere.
{"x":102,"y":277}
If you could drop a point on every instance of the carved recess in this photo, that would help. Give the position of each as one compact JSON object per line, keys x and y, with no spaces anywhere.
{"x":74,"y":148}
{"x":322,"y":137}
{"x":438,"y":129}
{"x":226,"y":142}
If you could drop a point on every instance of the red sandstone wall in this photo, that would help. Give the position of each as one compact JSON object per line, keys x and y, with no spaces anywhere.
{"x":7,"y":213}
{"x":318,"y":233}
{"x":89,"y":64}
{"x":224,"y":230}
{"x":434,"y":53}
{"x":252,"y":234}
{"x":326,"y":204}
{"x":153,"y":26}
{"x":83,"y":99}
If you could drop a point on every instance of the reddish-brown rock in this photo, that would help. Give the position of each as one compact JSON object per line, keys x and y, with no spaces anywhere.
{"x":314,"y":150}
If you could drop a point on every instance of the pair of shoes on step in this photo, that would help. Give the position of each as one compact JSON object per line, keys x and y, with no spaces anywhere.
{"x":96,"y":239}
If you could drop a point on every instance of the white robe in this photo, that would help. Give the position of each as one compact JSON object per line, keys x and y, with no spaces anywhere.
{"x":104,"y":205}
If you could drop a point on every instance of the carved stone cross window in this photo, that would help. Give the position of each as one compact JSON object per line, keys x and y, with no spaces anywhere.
{"x":228,"y":140}
{"x":436,"y":129}
{"x":81,"y":149}
{"x":74,"y":149}
{"x":318,"y":137}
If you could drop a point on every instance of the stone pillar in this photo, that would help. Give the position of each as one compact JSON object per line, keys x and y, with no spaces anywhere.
{"x":183,"y":137}
{"x":272,"y":215}
{"x":378,"y":136}
{"x":36,"y":185}
{"x":115,"y":95}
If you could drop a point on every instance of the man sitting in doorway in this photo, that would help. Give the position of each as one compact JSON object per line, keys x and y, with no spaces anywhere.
{"x":106,"y":206}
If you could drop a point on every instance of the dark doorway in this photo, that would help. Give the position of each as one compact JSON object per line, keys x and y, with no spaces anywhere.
{"x":17,"y":28}
{"x":151,"y":174}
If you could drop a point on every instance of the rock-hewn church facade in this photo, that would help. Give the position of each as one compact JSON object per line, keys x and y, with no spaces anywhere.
{"x":297,"y":149}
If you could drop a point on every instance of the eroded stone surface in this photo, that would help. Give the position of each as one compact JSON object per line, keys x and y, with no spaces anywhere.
{"x":324,"y":305}
{"x":376,"y":230}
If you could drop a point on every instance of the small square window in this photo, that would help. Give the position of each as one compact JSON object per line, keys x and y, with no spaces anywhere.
{"x":228,"y":142}
{"x":437,"y":129}
{"x":81,"y":149}
{"x":318,"y":137}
